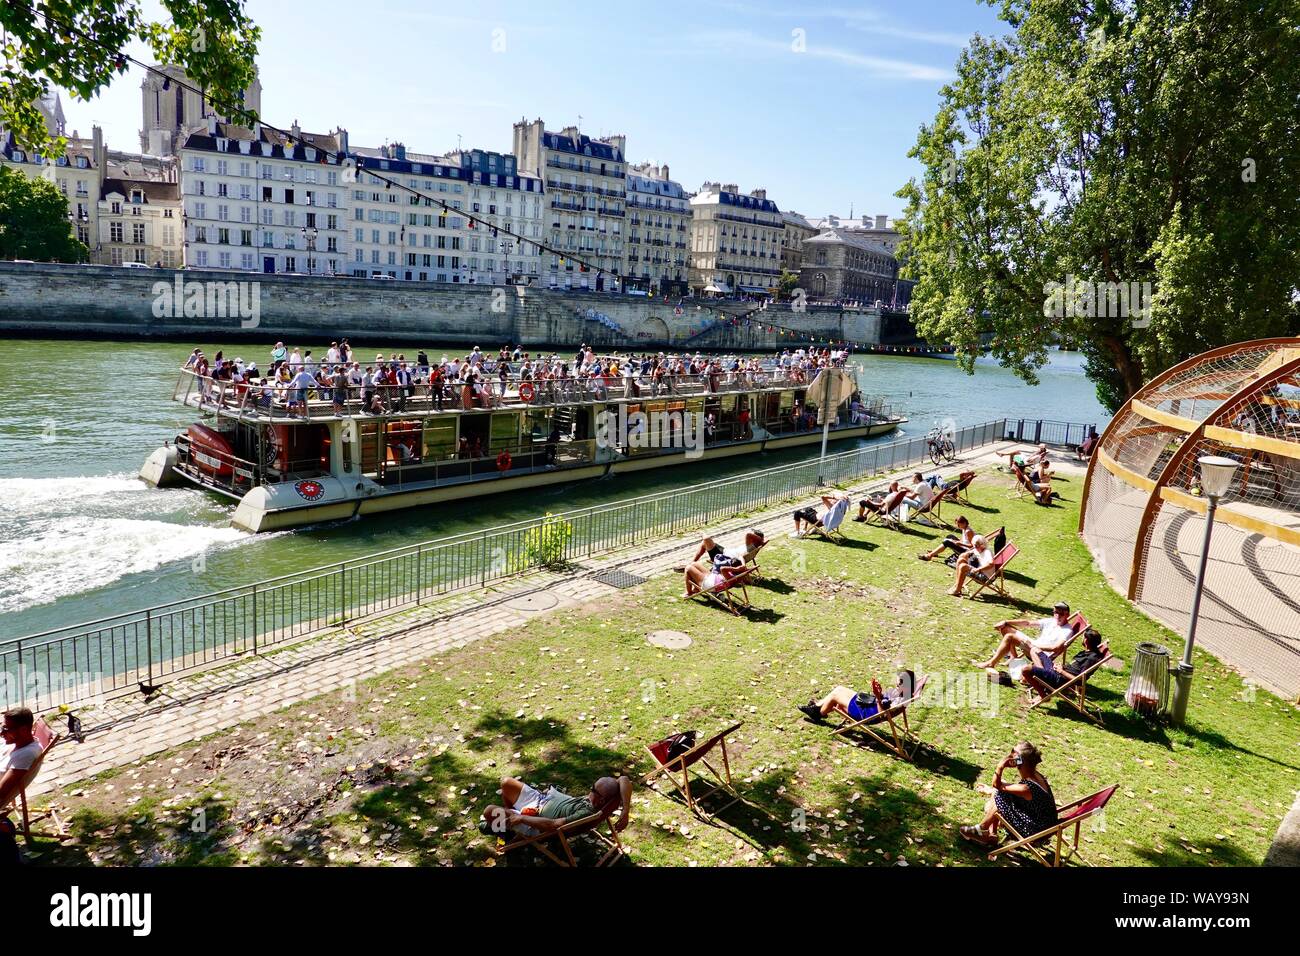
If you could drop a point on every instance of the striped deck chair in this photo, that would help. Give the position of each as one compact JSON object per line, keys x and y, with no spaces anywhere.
{"x":901,"y":742}
{"x":994,"y":576}
{"x":1074,"y":691}
{"x":1042,"y":845}
{"x":731,"y":592}
{"x":563,"y":838}
{"x":831,"y":521}
{"x":678,"y":770}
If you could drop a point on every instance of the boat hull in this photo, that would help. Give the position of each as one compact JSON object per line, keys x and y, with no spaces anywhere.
{"x":320,"y":500}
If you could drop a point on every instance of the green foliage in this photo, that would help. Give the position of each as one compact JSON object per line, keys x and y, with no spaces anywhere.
{"x":786,"y":285}
{"x":48,"y":42}
{"x":34,"y":221}
{"x":1152,"y":143}
{"x":546,"y":545}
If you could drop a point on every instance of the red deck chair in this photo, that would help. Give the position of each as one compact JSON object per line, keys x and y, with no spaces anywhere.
{"x":1069,"y":815}
{"x":1074,"y":691}
{"x":751,"y":559}
{"x":564,"y":836}
{"x":1078,"y":624}
{"x":961,"y":490}
{"x":48,"y":739}
{"x":678,"y":770}
{"x":731,"y":592}
{"x":904,"y":742}
{"x":994,"y":576}
{"x":932,"y":512}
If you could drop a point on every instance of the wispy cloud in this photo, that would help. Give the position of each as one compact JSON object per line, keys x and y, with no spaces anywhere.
{"x":861,"y":19}
{"x":876,"y":67}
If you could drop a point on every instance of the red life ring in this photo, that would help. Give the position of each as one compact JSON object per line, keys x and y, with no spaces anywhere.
{"x":526,"y":391}
{"x":503,"y":461}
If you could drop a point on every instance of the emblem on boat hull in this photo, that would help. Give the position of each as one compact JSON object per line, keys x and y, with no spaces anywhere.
{"x":309,"y":490}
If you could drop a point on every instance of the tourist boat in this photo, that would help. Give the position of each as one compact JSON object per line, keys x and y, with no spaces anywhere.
{"x":309,"y":462}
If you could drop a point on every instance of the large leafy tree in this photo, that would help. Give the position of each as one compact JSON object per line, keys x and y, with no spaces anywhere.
{"x":34,"y":221}
{"x":79,"y":46}
{"x":1114,"y":141}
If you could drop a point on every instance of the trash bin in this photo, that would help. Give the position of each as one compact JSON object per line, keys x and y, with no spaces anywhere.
{"x":1148,"y":688}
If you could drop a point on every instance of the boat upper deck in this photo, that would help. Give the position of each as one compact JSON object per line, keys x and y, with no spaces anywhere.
{"x":283,"y":403}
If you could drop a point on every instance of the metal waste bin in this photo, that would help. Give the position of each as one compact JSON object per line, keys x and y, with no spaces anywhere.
{"x":1148,"y":688}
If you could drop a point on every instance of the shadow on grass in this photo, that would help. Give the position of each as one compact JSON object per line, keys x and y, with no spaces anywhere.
{"x":775,"y":585}
{"x":1225,"y":853}
{"x":140,"y":838}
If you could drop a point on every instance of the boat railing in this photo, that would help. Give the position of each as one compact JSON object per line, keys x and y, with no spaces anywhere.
{"x":153,"y":644}
{"x":279,"y":401}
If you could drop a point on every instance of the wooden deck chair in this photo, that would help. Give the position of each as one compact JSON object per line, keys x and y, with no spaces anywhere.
{"x":904,"y":743}
{"x":830,"y":526}
{"x":731,"y":592}
{"x":885,"y":519}
{"x":48,"y":740}
{"x":1070,"y":815}
{"x":1078,"y":624}
{"x":1074,"y":691}
{"x":961,"y":489}
{"x":678,"y":770}
{"x":751,"y":559}
{"x":994,"y":576}
{"x":563,"y":838}
{"x":931,"y":512}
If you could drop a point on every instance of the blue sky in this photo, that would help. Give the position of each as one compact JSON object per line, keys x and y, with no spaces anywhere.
{"x":712,"y":87}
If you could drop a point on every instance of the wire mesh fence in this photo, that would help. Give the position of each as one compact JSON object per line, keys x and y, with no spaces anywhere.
{"x":95,"y":659}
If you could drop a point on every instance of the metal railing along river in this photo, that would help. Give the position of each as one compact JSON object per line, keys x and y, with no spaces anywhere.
{"x":91,"y":660}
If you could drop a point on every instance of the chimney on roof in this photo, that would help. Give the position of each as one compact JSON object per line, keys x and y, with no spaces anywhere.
{"x":664,"y":171}
{"x":399,"y":151}
{"x":212,"y":126}
{"x":882,"y":222}
{"x":759,"y":193}
{"x":295,"y":130}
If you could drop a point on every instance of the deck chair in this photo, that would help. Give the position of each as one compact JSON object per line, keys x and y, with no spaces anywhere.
{"x":678,"y":770}
{"x":931,"y":512}
{"x":830,"y":526}
{"x":961,"y":488}
{"x":48,"y":740}
{"x":1042,"y":845}
{"x":1074,"y":691}
{"x":751,"y":560}
{"x":1078,"y":624}
{"x":885,"y":519}
{"x":904,"y":743}
{"x":731,"y":593}
{"x":563,"y":838}
{"x":994,"y":576}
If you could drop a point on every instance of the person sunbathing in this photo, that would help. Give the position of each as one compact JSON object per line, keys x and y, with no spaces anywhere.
{"x":1043,"y":665}
{"x":1041,"y":490}
{"x":918,"y":496}
{"x":1028,"y":805}
{"x":978,"y":558}
{"x":960,"y":543}
{"x":529,"y":812}
{"x":713,"y":565}
{"x":883,"y":505}
{"x":709,"y":549}
{"x":860,"y":705}
{"x":805,"y":519}
{"x":1053,"y":634}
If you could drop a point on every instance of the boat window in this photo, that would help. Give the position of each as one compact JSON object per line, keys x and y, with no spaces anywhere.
{"x":505,"y":431}
{"x":439,"y":438}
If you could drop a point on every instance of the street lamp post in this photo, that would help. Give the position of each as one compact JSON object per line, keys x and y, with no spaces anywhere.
{"x":309,"y":240}
{"x":1216,"y":475}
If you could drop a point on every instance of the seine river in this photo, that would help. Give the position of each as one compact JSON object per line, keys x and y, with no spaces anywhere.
{"x":82,"y":538}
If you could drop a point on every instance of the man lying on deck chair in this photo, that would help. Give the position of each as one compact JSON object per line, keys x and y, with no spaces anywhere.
{"x":528,"y":811}
{"x":709,"y":550}
{"x":1044,"y":667}
{"x":805,"y":519}
{"x":883,"y":505}
{"x":859,"y":706}
{"x":1053,"y":633}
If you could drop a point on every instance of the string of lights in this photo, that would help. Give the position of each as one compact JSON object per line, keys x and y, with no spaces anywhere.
{"x":352,"y":163}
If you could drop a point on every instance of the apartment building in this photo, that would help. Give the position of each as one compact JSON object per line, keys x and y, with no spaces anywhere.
{"x":658,"y":231}
{"x":735,"y":241}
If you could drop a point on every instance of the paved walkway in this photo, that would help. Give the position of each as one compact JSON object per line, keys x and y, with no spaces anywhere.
{"x":127,"y":729}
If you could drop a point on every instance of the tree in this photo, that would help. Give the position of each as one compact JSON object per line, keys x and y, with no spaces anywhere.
{"x":786,"y":285}
{"x":1110,"y":142}
{"x":79,"y":46}
{"x":34,"y":221}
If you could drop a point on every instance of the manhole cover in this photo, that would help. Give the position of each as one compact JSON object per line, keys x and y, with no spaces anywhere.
{"x":670,"y":640}
{"x":533,"y":602}
{"x":619,"y":579}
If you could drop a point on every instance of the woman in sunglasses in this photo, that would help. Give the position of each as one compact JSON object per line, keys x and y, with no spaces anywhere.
{"x":1027,"y":804}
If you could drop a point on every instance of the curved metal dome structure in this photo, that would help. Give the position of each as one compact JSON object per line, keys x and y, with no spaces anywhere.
{"x":1142,"y":497}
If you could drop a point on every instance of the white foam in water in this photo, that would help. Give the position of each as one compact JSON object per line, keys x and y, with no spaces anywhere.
{"x":26,"y":496}
{"x":81,"y":553}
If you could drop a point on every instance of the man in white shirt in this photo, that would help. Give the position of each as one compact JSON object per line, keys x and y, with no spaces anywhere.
{"x":18,"y":751}
{"x":1053,"y":634}
{"x":917,"y":497}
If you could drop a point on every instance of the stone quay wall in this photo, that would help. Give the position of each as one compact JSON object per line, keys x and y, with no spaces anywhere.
{"x":87,"y":301}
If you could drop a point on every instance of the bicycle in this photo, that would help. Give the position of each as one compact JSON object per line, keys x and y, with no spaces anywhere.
{"x":941,"y":446}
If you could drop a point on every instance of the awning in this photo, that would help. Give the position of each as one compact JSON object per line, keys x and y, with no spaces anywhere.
{"x":754,"y":289}
{"x":714,"y":287}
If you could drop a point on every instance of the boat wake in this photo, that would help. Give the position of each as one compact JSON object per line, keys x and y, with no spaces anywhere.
{"x":78,"y":553}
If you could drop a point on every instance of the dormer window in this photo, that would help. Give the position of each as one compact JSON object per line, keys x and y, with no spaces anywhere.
{"x":137,"y":196}
{"x":311,"y":154}
{"x":61,"y":161}
{"x":19,"y":156}
{"x":222,"y":144}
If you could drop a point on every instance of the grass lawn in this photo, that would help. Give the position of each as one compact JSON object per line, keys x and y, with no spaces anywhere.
{"x":400,"y":774}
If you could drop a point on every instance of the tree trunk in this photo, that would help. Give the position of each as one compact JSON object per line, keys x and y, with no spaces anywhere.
{"x":1128,"y":365}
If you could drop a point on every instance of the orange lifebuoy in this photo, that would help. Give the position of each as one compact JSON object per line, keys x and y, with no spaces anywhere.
{"x":526,"y":391}
{"x":503,"y":461}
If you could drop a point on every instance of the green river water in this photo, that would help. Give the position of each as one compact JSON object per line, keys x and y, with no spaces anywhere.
{"x":83,"y":538}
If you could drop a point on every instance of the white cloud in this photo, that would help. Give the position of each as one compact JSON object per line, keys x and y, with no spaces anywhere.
{"x":876,"y":67}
